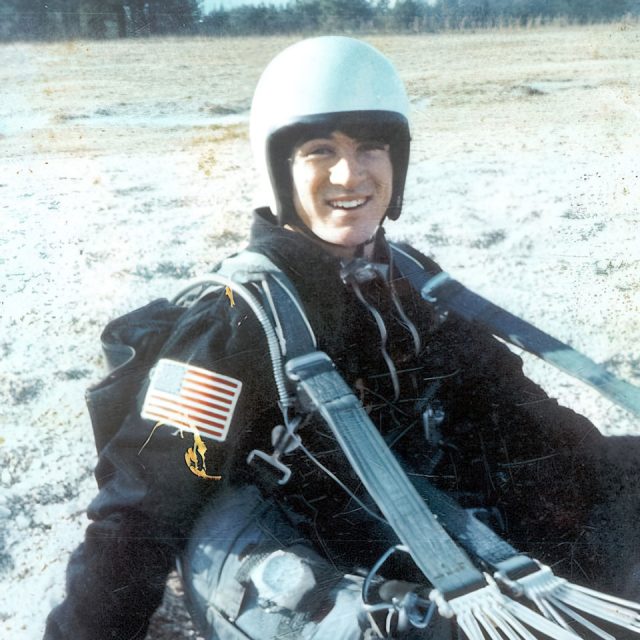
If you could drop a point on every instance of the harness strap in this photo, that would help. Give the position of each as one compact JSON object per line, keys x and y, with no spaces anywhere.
{"x":319,"y":387}
{"x":432,"y":549}
{"x":335,"y":401}
{"x":314,"y":373}
{"x":461,"y":590}
{"x":473,"y":535}
{"x":298,"y":337}
{"x":449,"y":295}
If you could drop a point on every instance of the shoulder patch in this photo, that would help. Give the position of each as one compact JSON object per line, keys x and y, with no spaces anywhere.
{"x":191,"y":398}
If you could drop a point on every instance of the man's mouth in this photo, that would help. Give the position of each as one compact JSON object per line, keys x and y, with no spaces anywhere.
{"x":353,"y":203}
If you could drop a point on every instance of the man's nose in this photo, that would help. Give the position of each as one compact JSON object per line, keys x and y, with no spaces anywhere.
{"x":347,"y":171}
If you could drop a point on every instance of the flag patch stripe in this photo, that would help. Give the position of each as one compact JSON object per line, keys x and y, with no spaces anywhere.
{"x":208,"y":391}
{"x":186,"y":410}
{"x":198,"y":401}
{"x":162,"y":413}
{"x":212,"y":383}
{"x":210,"y":375}
{"x":191,"y":398}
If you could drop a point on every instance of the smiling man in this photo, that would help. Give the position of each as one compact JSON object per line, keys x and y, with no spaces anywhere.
{"x":342,"y":189}
{"x":267,"y":560}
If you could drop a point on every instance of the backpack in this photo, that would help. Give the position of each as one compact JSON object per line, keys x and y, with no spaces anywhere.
{"x":131,"y":343}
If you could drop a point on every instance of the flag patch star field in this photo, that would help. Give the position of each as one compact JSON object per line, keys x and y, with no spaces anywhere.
{"x":191,"y":398}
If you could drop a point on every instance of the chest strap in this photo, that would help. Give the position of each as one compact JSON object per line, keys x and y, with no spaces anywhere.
{"x":522,"y":576}
{"x":461,"y":590}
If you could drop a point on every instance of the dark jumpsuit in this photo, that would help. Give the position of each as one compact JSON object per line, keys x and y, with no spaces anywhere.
{"x":555,"y":487}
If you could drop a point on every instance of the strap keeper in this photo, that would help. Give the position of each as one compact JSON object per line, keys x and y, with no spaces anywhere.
{"x":516,"y":567}
{"x":308,"y":365}
{"x":284,"y":440}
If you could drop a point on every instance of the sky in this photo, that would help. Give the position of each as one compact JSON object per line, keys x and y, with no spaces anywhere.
{"x":209,"y":5}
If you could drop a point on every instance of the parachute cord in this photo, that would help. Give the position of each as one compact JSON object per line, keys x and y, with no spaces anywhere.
{"x":404,"y":318}
{"x":341,"y":484}
{"x":286,"y":402}
{"x":379,"y":320}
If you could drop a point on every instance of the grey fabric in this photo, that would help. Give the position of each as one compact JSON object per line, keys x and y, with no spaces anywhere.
{"x":222,"y":561}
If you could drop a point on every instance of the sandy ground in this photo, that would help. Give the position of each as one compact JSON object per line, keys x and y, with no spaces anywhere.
{"x":125,"y":170}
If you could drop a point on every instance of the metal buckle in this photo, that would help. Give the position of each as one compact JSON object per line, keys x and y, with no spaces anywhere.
{"x":481,"y":613}
{"x":410,"y":607}
{"x":284,"y":441}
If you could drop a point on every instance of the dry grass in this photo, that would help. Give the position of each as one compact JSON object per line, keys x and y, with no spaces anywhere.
{"x":125,"y":167}
{"x":471,"y":79}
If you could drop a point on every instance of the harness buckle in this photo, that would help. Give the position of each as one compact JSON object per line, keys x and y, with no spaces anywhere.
{"x":284,"y":440}
{"x":361,"y":271}
{"x":399,"y":599}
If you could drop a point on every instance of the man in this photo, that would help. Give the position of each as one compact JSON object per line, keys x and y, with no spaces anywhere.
{"x":329,"y":129}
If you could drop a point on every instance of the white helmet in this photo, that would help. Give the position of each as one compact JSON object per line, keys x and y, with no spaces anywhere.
{"x":318,"y":86}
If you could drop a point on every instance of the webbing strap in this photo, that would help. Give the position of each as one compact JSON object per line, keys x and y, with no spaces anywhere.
{"x":291,"y":324}
{"x":449,"y":295}
{"x":433,"y":551}
{"x":473,"y":535}
{"x":345,"y":416}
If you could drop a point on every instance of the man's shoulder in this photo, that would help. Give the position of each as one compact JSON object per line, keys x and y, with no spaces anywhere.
{"x":200,"y":308}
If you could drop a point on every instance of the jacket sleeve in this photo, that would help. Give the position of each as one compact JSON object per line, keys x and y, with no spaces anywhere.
{"x":570,"y":495}
{"x":149,"y":497}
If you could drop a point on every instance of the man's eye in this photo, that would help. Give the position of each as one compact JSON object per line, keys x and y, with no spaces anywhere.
{"x":322,"y":150}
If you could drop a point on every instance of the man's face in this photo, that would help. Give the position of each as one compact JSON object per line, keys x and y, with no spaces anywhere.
{"x":342,"y":187}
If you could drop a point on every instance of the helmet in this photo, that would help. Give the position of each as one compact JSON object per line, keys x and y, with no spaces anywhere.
{"x":321,"y":85}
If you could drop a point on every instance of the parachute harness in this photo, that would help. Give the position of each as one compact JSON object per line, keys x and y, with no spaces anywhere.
{"x":310,"y":384}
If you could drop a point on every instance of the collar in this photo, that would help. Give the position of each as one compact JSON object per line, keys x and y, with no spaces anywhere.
{"x":295,"y":251}
{"x":304,"y":261}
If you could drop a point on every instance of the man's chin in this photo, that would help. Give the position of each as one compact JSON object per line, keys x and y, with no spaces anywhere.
{"x":345,"y":243}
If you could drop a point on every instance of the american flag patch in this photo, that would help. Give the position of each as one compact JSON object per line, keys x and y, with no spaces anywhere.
{"x":191,"y":398}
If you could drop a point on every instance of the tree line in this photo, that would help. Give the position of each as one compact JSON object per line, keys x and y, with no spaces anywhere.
{"x":64,"y":19}
{"x":67,"y":19}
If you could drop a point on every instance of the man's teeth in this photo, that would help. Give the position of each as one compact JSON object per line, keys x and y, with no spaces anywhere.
{"x":348,"y":204}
